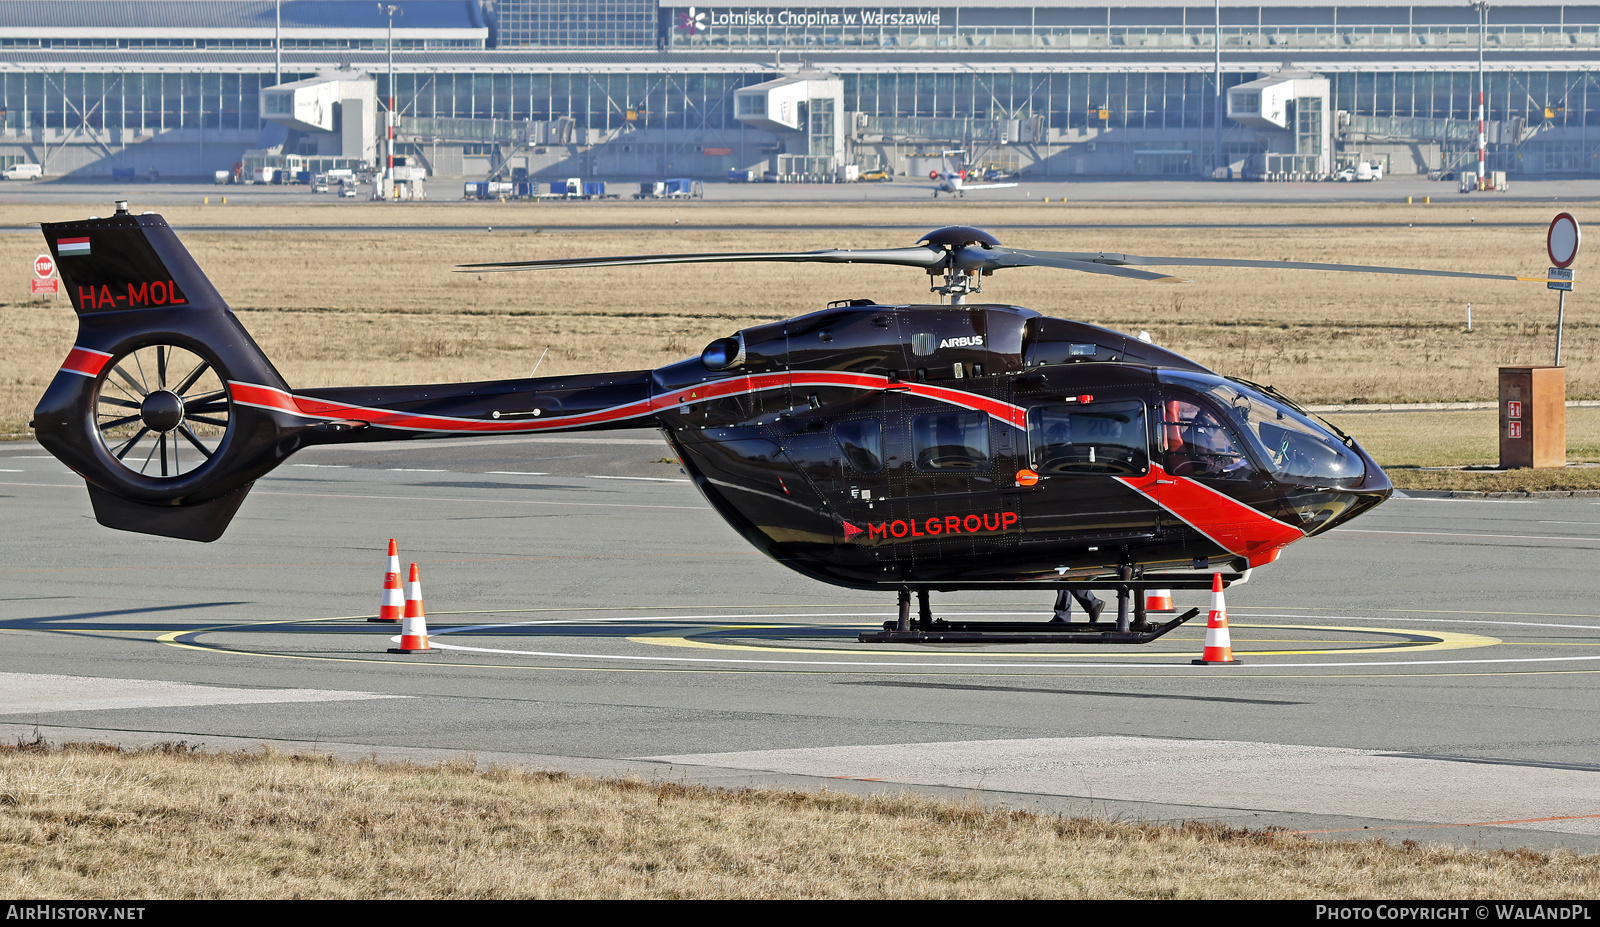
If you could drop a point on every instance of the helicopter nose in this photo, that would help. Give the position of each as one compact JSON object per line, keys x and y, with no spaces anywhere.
{"x":1323,"y":510}
{"x":1376,"y":481}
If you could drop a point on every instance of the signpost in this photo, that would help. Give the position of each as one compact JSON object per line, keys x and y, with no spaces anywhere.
{"x":1561,"y":243}
{"x":1533,"y":400}
{"x":44,"y":269}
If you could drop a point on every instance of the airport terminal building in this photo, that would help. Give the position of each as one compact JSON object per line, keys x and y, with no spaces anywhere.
{"x":618,"y":89}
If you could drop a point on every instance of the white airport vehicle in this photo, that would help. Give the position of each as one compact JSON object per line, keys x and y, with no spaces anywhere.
{"x":1362,"y":171}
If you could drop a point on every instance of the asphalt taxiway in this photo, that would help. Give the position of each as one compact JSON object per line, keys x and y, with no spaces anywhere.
{"x":1427,"y":672}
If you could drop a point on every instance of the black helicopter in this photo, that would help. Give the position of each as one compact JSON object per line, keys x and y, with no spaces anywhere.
{"x":907,"y":448}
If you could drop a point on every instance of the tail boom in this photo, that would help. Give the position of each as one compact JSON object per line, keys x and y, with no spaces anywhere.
{"x":587,"y":402}
{"x":170,"y":411}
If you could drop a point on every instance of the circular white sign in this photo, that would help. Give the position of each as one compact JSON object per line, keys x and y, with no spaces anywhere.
{"x":1562,"y":242}
{"x":43,"y":266}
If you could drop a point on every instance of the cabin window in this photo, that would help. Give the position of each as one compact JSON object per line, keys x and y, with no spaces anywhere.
{"x":862,"y":443}
{"x":1195,"y":443}
{"x":951,"y":441}
{"x":1106,"y":437}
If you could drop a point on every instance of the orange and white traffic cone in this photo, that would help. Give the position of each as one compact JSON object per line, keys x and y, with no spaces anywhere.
{"x":414,"y":626}
{"x":1158,"y":600}
{"x":1219,"y":647}
{"x":393,"y":599}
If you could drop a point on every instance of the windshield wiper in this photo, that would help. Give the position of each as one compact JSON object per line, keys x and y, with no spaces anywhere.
{"x":1270,"y":391}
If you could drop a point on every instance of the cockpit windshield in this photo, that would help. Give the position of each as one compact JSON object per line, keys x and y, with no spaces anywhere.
{"x":1291,"y":445}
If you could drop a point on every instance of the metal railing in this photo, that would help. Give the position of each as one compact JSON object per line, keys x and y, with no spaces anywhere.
{"x":1409,"y":128}
{"x":1161,"y":38}
{"x":464,"y":130}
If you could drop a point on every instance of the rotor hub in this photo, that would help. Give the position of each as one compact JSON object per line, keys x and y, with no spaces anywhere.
{"x":957,"y":236}
{"x":162,"y":410}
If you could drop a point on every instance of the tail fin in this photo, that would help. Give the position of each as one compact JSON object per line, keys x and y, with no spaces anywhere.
{"x":141,"y":407}
{"x":128,"y":262}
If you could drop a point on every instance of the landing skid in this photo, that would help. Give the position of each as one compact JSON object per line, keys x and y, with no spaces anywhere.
{"x":1131,"y":626}
{"x":1024,"y":632}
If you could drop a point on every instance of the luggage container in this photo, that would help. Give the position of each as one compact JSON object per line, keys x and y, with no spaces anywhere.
{"x":683,"y":188}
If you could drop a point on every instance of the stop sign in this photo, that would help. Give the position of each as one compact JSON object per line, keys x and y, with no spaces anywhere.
{"x":43,"y":266}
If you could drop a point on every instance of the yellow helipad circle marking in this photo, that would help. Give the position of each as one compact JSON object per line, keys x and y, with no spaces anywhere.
{"x":1160,"y":671}
{"x":1418,"y":641}
{"x":1058,"y":664}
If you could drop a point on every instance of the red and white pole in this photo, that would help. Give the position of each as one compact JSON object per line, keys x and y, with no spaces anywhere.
{"x":388,"y":171}
{"x":1482,"y":7}
{"x":1483,"y":141}
{"x":389,"y":117}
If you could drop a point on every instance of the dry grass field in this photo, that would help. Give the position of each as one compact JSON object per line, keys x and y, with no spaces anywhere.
{"x":1410,"y":444}
{"x":345,"y":307}
{"x":95,"y":822}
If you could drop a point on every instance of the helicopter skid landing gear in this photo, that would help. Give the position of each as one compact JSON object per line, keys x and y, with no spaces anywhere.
{"x":1130,"y":627}
{"x":924,"y":614}
{"x":939,"y":631}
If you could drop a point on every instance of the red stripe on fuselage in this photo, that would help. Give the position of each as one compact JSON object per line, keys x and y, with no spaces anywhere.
{"x":1232,"y":525}
{"x":310,"y":407}
{"x":85,"y":362}
{"x":1004,"y":412}
{"x":267,"y":397}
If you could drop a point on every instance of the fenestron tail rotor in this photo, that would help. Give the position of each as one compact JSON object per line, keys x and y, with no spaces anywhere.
{"x":161,"y":410}
{"x":965,"y":255}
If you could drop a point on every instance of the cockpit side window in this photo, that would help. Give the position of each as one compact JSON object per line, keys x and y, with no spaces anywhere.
{"x":1194,"y":442}
{"x":1101,"y":438}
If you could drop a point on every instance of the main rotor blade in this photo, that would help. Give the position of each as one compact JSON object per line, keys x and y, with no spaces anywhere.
{"x":1117,"y":260}
{"x":908,"y":257}
{"x":971,"y":257}
{"x":996,"y":258}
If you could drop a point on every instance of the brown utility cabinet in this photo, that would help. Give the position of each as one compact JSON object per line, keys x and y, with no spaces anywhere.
{"x":1533,"y":417}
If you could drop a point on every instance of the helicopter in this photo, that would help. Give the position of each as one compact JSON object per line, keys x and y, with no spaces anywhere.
{"x":897,"y":448}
